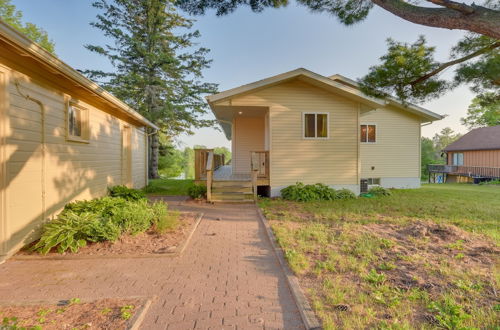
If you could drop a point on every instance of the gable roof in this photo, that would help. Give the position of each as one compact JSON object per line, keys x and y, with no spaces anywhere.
{"x":308,"y":76}
{"x":336,"y":84}
{"x":484,"y":138}
{"x":412,"y":108}
{"x":52,"y":65}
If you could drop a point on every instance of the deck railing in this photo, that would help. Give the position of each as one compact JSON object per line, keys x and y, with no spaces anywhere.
{"x":470,"y":171}
{"x":259,"y":165}
{"x":200,"y":162}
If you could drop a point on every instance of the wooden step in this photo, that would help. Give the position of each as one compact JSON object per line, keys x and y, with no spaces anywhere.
{"x":231,"y":196}
{"x":232,"y":189}
{"x":216,"y":184}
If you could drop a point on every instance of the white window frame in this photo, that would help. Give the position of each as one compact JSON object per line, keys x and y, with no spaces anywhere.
{"x":376,"y":132}
{"x":373,"y":184}
{"x":315,"y":125}
{"x":85,"y":130}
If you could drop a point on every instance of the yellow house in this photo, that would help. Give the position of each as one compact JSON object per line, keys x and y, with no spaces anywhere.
{"x":302,"y":126}
{"x":62,"y":138}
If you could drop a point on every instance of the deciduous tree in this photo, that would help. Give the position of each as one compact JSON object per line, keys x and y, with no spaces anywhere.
{"x":14,"y":17}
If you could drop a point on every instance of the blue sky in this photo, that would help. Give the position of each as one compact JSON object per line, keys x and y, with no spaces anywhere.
{"x":246,"y":46}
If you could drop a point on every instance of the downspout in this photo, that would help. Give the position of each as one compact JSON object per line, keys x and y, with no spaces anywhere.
{"x":42,"y":142}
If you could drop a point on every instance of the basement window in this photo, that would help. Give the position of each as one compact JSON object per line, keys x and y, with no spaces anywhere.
{"x":315,"y":125}
{"x":77,"y":123}
{"x":373,"y":181}
{"x":368,"y":133}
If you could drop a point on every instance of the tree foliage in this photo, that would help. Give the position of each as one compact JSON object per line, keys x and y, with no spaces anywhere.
{"x":483,"y":111}
{"x":158,"y":68}
{"x":411,"y":73}
{"x":13,"y":17}
{"x":432,"y":148}
{"x":445,"y":14}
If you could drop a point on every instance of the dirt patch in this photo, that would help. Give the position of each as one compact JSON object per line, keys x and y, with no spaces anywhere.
{"x":147,"y":243}
{"x":424,"y":251}
{"x":99,"y":314}
{"x":393,"y":270}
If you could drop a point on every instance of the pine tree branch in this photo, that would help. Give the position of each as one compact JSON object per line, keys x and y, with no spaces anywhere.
{"x":481,"y":20}
{"x":454,"y":62}
{"x":461,"y":7}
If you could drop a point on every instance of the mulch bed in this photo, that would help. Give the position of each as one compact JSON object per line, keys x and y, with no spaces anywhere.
{"x":99,"y":314}
{"x":143,"y":244}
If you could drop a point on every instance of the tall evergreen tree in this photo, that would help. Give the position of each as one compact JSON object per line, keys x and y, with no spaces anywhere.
{"x":158,"y":67}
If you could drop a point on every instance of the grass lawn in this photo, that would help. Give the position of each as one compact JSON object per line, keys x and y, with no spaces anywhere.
{"x":168,"y":187}
{"x":418,"y":259}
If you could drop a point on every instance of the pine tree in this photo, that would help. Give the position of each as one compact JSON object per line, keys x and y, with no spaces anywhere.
{"x":158,"y":69}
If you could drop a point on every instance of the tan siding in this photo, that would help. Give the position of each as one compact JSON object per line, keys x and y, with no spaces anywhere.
{"x":248,"y":136}
{"x":331,"y":161}
{"x":42,"y":180}
{"x":396,"y":152}
{"x":487,"y":158}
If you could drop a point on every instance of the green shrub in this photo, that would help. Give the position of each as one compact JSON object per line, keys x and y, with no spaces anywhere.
{"x":126,"y":193}
{"x":492,"y":182}
{"x":379,"y":191}
{"x":311,"y":192}
{"x":163,"y":218}
{"x":197,"y":191}
{"x":345,"y":194}
{"x":102,"y":219}
{"x":134,"y":217}
{"x":105,"y":206}
{"x":71,"y":231}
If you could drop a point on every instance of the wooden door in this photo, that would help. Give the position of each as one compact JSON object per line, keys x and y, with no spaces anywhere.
{"x":127,"y":156}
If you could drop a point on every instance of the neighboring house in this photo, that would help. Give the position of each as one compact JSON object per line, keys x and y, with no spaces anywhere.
{"x":62,"y":138}
{"x":473,"y":157}
{"x":302,"y":126}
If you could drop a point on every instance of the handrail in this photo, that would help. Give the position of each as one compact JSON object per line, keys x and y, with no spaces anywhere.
{"x":210,"y":169}
{"x":254,"y":166}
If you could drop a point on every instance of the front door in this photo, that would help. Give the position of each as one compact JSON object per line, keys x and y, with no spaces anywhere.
{"x":127,"y":156}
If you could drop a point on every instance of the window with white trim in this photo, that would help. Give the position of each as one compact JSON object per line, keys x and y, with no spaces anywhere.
{"x":77,"y":123}
{"x":373,"y":181}
{"x":458,"y":158}
{"x":315,"y":125}
{"x":368,"y":133}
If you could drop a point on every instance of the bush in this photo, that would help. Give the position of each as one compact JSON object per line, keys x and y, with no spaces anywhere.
{"x":72,"y":231}
{"x":163,"y":218}
{"x":345,"y":194}
{"x":310,"y":192}
{"x":134,"y":217}
{"x":492,"y":182}
{"x":103,"y":219}
{"x":126,"y":193}
{"x":379,"y":191}
{"x":197,"y":191}
{"x":105,"y":206}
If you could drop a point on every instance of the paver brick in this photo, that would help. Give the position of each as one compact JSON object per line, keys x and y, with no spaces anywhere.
{"x":227,"y":278}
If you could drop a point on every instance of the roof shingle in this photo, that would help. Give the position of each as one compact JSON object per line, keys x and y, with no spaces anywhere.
{"x":484,"y":138}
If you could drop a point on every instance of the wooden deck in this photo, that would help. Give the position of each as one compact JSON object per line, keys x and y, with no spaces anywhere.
{"x":224,"y":185}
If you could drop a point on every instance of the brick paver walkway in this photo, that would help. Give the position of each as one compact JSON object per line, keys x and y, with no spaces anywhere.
{"x":227,"y":278}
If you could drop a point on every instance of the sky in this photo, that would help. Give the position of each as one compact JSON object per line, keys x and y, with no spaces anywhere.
{"x":247,"y":46}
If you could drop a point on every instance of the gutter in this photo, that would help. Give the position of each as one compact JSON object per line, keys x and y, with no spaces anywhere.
{"x":55,"y":65}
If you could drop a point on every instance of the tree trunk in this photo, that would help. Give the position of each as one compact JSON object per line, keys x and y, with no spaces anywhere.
{"x":472,"y":17}
{"x":154,"y":148}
